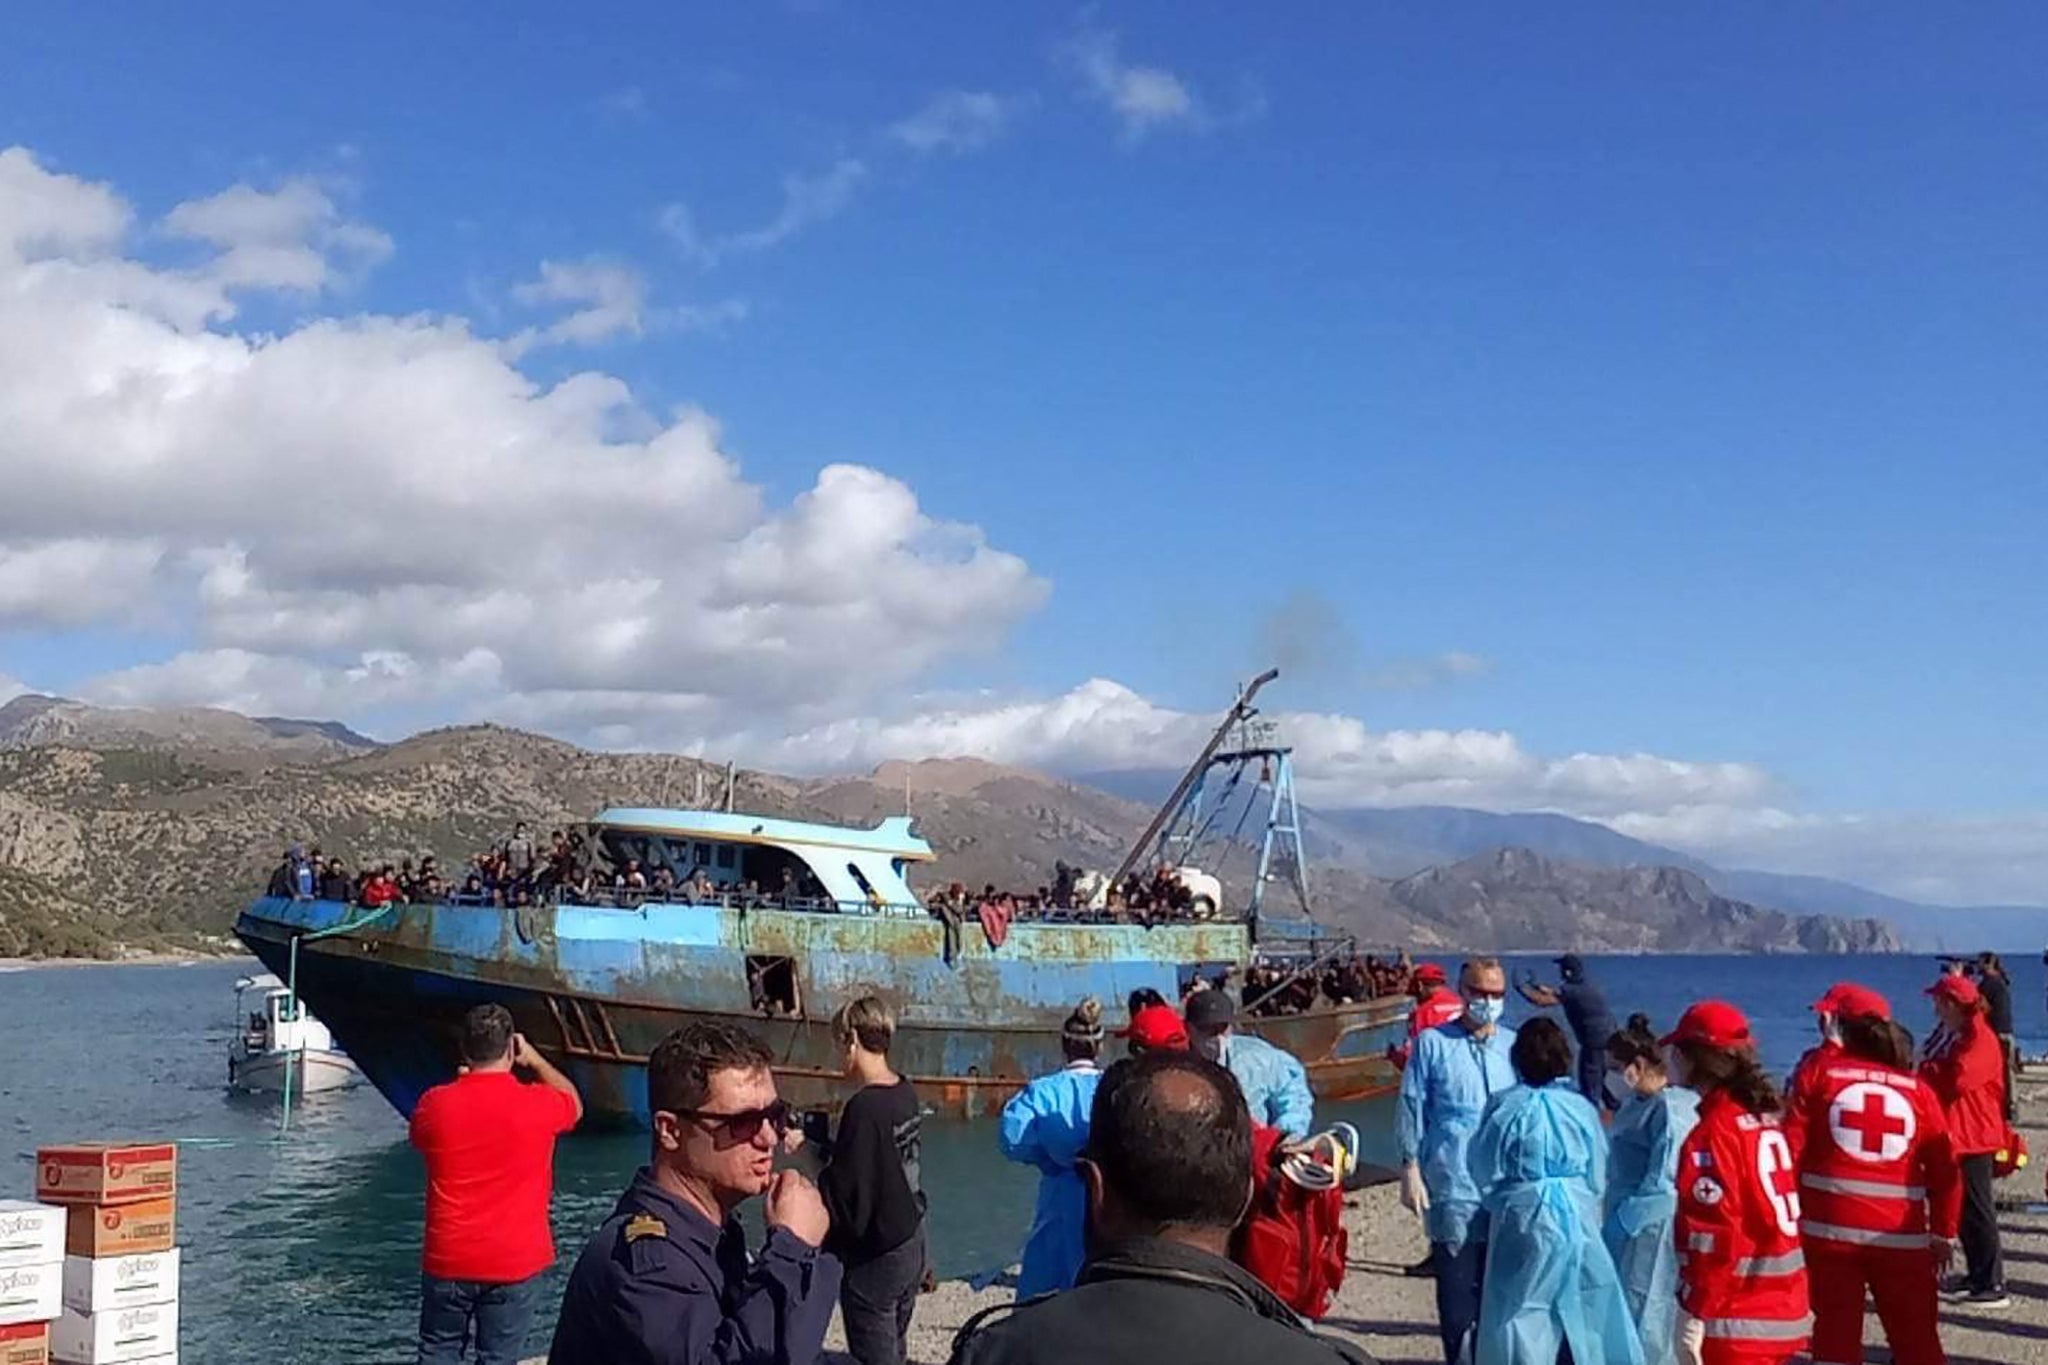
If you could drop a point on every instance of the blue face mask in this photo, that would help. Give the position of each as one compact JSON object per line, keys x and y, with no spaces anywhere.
{"x":1486,"y":1010}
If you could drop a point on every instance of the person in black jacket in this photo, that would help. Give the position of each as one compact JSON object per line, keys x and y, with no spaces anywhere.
{"x":1996,"y":988}
{"x":1169,"y":1174}
{"x":873,"y":1189}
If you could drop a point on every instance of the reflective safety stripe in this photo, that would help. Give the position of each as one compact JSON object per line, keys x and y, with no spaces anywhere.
{"x":1771,"y":1265}
{"x":1901,"y":1241}
{"x":1869,"y":1189}
{"x":1700,"y":1241}
{"x":1759,"y":1329}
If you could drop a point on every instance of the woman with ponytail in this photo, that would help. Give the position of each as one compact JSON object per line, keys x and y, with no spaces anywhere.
{"x":1046,"y":1125}
{"x":1742,"y":1295}
{"x":1651,"y":1124}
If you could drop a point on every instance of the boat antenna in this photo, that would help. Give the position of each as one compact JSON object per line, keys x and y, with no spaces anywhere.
{"x":697,"y":802}
{"x":728,"y":785}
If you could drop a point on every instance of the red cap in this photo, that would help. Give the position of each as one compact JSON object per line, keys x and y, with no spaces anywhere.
{"x":1157,"y":1026}
{"x":1848,"y":1000}
{"x":1713,"y":1022}
{"x":1429,"y":974}
{"x":1956,"y":989}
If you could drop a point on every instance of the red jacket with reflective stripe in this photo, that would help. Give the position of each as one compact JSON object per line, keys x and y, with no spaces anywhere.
{"x":1969,"y":1076}
{"x":1874,"y":1159}
{"x":1741,"y":1270}
{"x":1810,"y":1064}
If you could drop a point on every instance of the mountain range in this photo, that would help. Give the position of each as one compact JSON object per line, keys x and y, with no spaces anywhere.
{"x":131,"y":827}
{"x":1398,"y":841}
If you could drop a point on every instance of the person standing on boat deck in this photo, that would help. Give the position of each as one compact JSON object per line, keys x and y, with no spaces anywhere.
{"x":1591,"y":1022}
{"x":1046,"y":1125}
{"x":873,"y":1189}
{"x":489,"y":1143}
{"x":519,"y":851}
{"x":667,"y":1279}
{"x":1453,"y":1072}
{"x":1274,"y":1082}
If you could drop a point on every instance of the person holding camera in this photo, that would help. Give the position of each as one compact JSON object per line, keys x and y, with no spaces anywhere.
{"x":488,"y":1139}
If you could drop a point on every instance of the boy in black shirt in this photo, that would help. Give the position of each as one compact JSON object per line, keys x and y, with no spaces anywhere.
{"x":871,"y":1186}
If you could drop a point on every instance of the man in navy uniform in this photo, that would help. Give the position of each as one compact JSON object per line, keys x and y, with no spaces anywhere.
{"x":667,"y":1279}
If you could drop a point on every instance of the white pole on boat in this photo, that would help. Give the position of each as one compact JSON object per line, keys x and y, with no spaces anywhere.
{"x":729,"y":773}
{"x":291,"y":1001}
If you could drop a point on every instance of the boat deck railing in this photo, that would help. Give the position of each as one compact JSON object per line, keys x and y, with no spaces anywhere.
{"x":635,"y":899}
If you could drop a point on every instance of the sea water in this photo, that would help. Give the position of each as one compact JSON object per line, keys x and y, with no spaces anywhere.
{"x":306,"y":1247}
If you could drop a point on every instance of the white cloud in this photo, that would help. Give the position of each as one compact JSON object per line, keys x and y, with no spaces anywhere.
{"x":1145,"y":99}
{"x":606,"y":300}
{"x":291,"y":238}
{"x":386,"y":511}
{"x":10,"y":688}
{"x":807,"y":198}
{"x":955,"y":121}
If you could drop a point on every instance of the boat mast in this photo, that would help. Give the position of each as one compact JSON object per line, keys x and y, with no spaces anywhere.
{"x":1240,"y":712}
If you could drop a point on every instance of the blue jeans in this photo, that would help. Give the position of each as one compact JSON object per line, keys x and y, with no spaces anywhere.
{"x":1460,"y":1275}
{"x":495,"y":1316}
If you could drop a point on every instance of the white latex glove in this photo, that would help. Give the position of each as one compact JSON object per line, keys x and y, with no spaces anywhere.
{"x":1691,"y":1339}
{"x":1414,"y":1194}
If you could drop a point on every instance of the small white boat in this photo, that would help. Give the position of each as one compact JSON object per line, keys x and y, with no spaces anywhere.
{"x":278,"y":1037}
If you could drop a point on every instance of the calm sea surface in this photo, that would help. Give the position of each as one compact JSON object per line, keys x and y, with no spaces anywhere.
{"x":305,"y":1248}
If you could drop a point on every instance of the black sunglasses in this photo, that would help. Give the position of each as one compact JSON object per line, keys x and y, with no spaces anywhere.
{"x":745,"y":1125}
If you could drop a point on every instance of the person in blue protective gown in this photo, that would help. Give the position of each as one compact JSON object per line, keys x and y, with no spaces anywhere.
{"x":1453,"y":1072}
{"x":1274,"y":1082}
{"x":1046,"y":1125}
{"x":1540,"y":1162}
{"x":1642,"y":1183}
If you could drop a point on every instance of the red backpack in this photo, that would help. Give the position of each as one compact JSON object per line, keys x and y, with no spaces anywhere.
{"x":1293,"y":1238}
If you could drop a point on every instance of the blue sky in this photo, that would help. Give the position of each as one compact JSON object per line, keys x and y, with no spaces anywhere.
{"x":1679,"y":374}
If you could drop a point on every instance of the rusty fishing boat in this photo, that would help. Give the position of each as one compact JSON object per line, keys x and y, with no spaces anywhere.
{"x":595,"y":986}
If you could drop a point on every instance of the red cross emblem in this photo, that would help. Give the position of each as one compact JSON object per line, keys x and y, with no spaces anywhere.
{"x":1872,"y":1122}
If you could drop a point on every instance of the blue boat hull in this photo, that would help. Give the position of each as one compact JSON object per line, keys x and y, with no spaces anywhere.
{"x":597,"y":988}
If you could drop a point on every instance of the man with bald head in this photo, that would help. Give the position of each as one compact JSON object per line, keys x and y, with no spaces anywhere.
{"x":1169,"y":1173}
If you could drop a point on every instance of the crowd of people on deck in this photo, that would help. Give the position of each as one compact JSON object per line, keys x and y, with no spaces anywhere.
{"x":519,"y":871}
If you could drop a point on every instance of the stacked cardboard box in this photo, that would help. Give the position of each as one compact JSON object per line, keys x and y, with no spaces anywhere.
{"x":119,"y":1281}
{"x":31,"y":1279}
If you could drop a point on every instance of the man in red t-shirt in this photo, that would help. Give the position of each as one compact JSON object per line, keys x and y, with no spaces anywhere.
{"x":489,"y":1141}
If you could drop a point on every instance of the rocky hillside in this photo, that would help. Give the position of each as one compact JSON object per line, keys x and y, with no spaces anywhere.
{"x":152,"y":828}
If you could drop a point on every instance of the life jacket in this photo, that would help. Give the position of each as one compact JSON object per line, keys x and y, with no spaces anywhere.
{"x":1292,"y":1238}
{"x":1876,"y":1168}
{"x":1742,"y":1271}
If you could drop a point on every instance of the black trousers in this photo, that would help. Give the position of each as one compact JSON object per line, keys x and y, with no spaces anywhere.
{"x":1981,"y":1252}
{"x":876,"y":1299}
